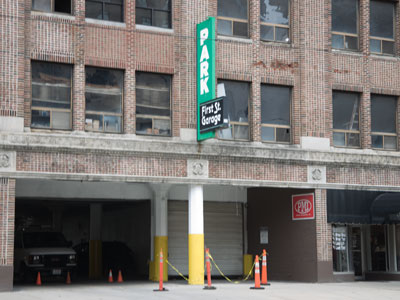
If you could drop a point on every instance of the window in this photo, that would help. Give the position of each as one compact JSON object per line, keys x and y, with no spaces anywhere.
{"x":154,"y":13}
{"x":233,"y":18}
{"x":346,"y":111}
{"x":61,"y":6}
{"x":275,"y":113}
{"x":398,"y":247}
{"x":274,"y":20}
{"x":382,"y":20}
{"x":236,"y":110}
{"x":103,"y":100}
{"x":153,"y":104}
{"x":378,"y":248}
{"x":383,"y":122}
{"x":345,"y":24}
{"x":51,"y":95}
{"x":110,"y":10}
{"x":340,"y":253}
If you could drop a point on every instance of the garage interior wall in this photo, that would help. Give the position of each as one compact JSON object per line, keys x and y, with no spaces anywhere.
{"x":292,"y":244}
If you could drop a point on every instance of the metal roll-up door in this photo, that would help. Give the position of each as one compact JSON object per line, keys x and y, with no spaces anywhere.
{"x":223,"y":234}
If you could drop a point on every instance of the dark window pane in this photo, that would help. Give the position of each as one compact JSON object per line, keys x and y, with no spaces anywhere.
{"x":377,"y":141}
{"x":94,"y":122}
{"x":145,"y":110}
{"x":387,"y":47}
{"x":282,"y":34}
{"x":275,"y":11}
{"x":153,"y":80}
{"x":96,"y":77}
{"x":61,"y":120}
{"x":267,"y":33}
{"x":344,"y":16}
{"x":51,"y":73}
{"x":161,"y":19}
{"x":339,"y":139}
{"x":224,"y":27}
{"x":62,"y":6}
{"x":112,"y":124}
{"x":153,"y":98}
{"x":233,"y":9}
{"x":113,"y":12}
{"x":41,"y":5}
{"x":383,"y":113}
{"x":143,"y":16}
{"x":237,"y":95}
{"x":102,"y":102}
{"x":283,"y":135}
{"x":382,"y":19}
{"x":337,"y":41}
{"x":375,"y":46}
{"x":240,"y":29}
{"x":268,"y":134}
{"x":94,"y":10}
{"x":351,"y":42}
{"x":144,"y":126}
{"x":353,"y":139}
{"x":275,"y":105}
{"x":40,"y":119}
{"x":390,"y":142}
{"x":51,"y":96}
{"x":157,"y":4}
{"x":345,"y":111}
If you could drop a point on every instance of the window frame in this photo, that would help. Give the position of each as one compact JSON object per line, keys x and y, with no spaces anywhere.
{"x":276,"y":126}
{"x":348,"y":254}
{"x":52,"y":7}
{"x":382,"y":39}
{"x":104,"y":2}
{"x":237,"y":20}
{"x":234,"y":125}
{"x":386,"y":134}
{"x":345,"y":34}
{"x":155,"y":117}
{"x":279,"y":26}
{"x":104,"y":113}
{"x":347,"y":132}
{"x":152,"y":14}
{"x":51,"y":109}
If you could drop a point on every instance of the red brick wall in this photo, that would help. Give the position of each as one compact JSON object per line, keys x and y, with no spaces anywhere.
{"x":7,"y":213}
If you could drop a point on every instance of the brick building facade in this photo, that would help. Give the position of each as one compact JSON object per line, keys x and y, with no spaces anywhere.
{"x":306,"y":63}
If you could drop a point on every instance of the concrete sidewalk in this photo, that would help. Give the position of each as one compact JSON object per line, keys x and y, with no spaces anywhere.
{"x":180,"y":290}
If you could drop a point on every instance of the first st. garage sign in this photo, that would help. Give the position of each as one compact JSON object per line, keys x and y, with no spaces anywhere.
{"x":303,"y":207}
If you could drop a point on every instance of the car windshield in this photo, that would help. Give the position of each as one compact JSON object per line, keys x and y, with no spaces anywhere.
{"x":44,"y":239}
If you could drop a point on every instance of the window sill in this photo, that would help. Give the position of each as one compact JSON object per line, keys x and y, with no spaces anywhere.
{"x":234,"y":38}
{"x":347,"y":52}
{"x":385,"y":56}
{"x":154,"y":29}
{"x":105,"y":23}
{"x":276,"y":44}
{"x":53,"y":15}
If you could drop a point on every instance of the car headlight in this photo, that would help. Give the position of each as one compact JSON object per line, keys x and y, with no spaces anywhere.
{"x":35,"y":259}
{"x":72,"y":258}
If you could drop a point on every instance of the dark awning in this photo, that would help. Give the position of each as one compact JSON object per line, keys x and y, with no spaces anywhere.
{"x":385,"y":209}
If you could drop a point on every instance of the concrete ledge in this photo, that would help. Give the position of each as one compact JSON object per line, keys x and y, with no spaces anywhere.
{"x":6,"y":278}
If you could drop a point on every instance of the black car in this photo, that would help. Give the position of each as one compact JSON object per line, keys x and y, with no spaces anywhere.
{"x":117,"y":256}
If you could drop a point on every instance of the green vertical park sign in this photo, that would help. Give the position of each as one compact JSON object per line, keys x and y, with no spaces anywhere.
{"x":205,"y":37}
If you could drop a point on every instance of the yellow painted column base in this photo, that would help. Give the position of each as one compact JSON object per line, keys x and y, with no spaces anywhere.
{"x":196,"y":259}
{"x":95,"y":259}
{"x":160,"y":242}
{"x":247,"y":264}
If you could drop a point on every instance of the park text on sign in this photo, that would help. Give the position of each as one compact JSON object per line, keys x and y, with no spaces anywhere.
{"x":303,"y":207}
{"x":205,"y":37}
{"x":211,"y":115}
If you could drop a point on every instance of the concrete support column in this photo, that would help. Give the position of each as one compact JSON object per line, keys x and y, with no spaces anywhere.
{"x":160,"y":213}
{"x":95,"y":246}
{"x":196,"y":235}
{"x":7,"y":216}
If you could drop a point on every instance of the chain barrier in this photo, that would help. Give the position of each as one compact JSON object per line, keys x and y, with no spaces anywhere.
{"x":176,"y":270}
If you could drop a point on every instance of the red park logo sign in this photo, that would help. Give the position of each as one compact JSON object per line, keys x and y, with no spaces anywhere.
{"x":303,"y":207}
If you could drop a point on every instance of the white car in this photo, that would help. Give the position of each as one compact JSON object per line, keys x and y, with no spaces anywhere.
{"x":46,"y":252}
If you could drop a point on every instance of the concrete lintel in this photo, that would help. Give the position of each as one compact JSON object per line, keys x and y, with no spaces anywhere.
{"x":314,"y":143}
{"x":11,"y":124}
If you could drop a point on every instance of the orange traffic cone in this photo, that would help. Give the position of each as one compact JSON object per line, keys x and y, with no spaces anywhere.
{"x":257,"y":275}
{"x":38,"y":279}
{"x":120,"y":277}
{"x":264,"y":276}
{"x":110,"y":277}
{"x":209,"y":286}
{"x":68,"y":279}
{"x":161,"y":274}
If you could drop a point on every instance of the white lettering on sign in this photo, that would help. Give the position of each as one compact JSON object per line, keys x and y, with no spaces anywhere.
{"x":303,"y":206}
{"x":204,"y":63}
